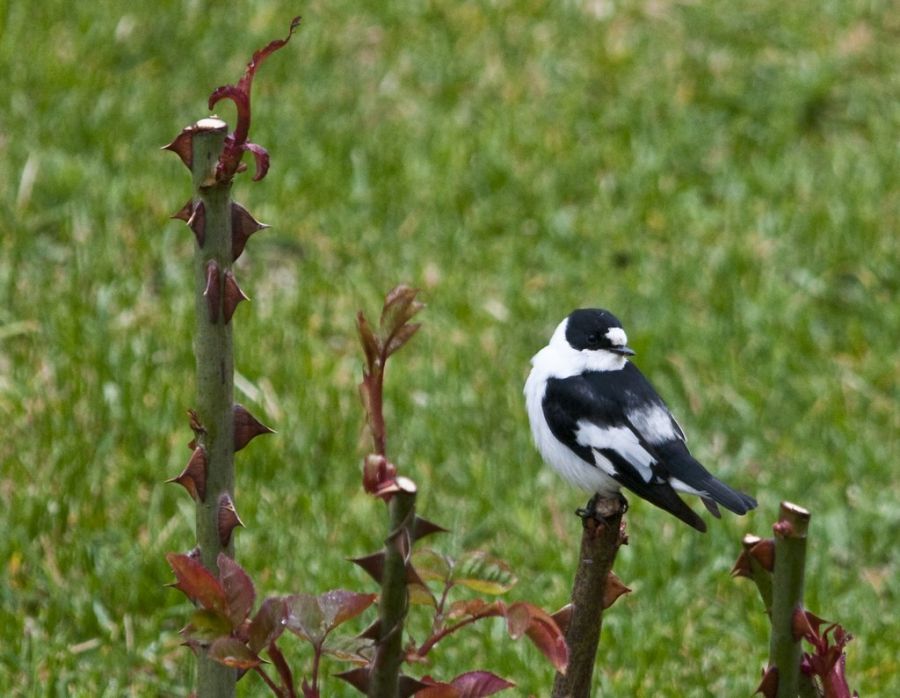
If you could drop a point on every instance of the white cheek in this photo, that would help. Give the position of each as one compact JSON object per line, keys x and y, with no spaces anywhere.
{"x":617,"y":336}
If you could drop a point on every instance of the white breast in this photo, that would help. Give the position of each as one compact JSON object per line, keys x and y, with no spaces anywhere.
{"x":584,"y":475}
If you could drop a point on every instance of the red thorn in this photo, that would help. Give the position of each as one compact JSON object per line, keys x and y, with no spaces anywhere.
{"x":213,"y":292}
{"x":197,"y":223}
{"x":613,"y":590}
{"x":769,"y":684}
{"x":182,"y":146}
{"x":193,"y":477}
{"x":246,"y":427}
{"x":233,"y":296}
{"x":228,"y":519}
{"x":184,"y":213}
{"x":243,"y":225}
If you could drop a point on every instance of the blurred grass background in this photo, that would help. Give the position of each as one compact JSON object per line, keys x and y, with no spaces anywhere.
{"x":724,"y":177}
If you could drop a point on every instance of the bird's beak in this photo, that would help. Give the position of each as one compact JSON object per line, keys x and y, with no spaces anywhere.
{"x":622,"y":351}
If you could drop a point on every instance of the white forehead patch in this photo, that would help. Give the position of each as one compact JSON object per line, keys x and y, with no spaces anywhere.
{"x":617,"y":336}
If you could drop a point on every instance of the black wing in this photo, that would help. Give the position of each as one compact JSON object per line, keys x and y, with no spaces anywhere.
{"x":588,"y":413}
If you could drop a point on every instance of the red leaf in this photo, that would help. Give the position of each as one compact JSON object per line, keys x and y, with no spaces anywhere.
{"x":543,"y":631}
{"x":367,"y":339}
{"x":238,"y":586}
{"x":268,"y":623}
{"x":236,"y":142}
{"x":198,"y":583}
{"x":261,"y":156}
{"x":475,"y":684}
{"x":232,"y":652}
{"x":339,"y":606}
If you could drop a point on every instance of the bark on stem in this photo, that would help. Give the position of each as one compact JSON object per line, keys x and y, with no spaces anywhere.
{"x":215,"y":371}
{"x":600,"y":542}
{"x":787,"y":596}
{"x":394,"y":602}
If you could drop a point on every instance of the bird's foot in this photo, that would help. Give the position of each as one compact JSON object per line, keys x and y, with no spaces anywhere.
{"x":601,"y":509}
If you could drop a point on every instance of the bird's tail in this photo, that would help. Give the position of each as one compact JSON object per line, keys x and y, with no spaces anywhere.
{"x":731,"y":499}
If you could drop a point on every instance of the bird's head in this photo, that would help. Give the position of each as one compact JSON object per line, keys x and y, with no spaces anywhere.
{"x":593,"y":330}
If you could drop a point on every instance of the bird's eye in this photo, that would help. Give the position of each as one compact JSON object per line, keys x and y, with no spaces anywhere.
{"x":593,"y":338}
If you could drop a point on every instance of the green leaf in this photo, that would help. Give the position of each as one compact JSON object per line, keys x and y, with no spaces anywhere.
{"x":232,"y":652}
{"x":430,"y":565}
{"x":482,"y":573}
{"x":206,"y":625}
{"x":420,"y":595}
{"x":239,"y":591}
{"x":349,"y":649}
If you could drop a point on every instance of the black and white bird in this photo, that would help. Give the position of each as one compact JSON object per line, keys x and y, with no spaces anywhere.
{"x":600,"y":423}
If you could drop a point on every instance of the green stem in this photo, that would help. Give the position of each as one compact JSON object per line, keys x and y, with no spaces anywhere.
{"x":600,"y":542}
{"x":384,"y":680}
{"x":215,"y":373}
{"x":787,"y":596}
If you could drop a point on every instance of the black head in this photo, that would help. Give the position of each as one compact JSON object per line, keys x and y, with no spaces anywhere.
{"x":596,"y":329}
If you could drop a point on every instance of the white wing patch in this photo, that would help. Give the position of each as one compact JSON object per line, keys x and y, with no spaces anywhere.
{"x":619,"y":439}
{"x":655,"y":424}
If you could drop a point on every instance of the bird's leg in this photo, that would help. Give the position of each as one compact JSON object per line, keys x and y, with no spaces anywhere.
{"x":600,"y":508}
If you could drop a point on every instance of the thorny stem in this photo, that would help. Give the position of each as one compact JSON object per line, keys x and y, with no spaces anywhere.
{"x":600,"y":542}
{"x":787,"y":596}
{"x":215,"y":373}
{"x":384,"y":682}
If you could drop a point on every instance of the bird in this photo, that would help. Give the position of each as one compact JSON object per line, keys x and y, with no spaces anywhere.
{"x":597,"y":420}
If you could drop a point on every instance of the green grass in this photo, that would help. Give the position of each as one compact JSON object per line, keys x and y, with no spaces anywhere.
{"x":725,"y":178}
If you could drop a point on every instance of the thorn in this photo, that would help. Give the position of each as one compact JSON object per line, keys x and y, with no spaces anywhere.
{"x":373,"y":632}
{"x":246,"y":427}
{"x":182,"y":146}
{"x":184,"y":213}
{"x":563,"y":617}
{"x":613,"y":590}
{"x":358,"y":678}
{"x":197,"y":223}
{"x":243,"y":225}
{"x":373,"y":564}
{"x":196,"y":427}
{"x":769,"y":684}
{"x":233,"y":296}
{"x":423,"y":527}
{"x":193,"y":477}
{"x":763,"y":552}
{"x":228,"y":519}
{"x":213,"y":292}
